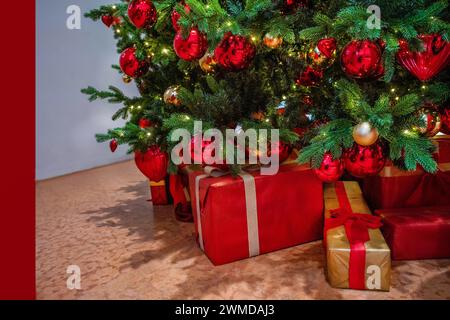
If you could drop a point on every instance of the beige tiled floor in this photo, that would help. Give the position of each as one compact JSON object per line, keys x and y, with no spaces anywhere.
{"x":126,"y":249}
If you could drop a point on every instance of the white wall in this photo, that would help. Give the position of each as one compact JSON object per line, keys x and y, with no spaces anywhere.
{"x":68,"y":60}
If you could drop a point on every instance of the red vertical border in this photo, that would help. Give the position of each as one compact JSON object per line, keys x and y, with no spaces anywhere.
{"x":17,"y":161}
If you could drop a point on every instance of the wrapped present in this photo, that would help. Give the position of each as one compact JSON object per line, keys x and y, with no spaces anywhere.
{"x":417,"y":233}
{"x":251,"y":214}
{"x":160,"y":193}
{"x":357,"y":254}
{"x":442,"y":143}
{"x":396,"y":188}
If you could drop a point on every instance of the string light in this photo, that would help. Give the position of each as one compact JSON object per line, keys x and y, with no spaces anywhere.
{"x":117,"y":30}
{"x":229,"y":23}
{"x":165,"y":51}
{"x":393,"y":90}
{"x":397,"y":98}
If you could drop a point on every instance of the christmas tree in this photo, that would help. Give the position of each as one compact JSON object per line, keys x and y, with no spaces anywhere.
{"x":350,"y":83}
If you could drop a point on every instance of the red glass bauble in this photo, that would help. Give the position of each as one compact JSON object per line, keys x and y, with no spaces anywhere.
{"x":193,"y":47}
{"x":363,"y":161}
{"x":362,"y":59}
{"x":202,"y":158}
{"x":310,"y":77}
{"x":234,"y":52}
{"x":431,"y":118}
{"x":131,"y":65}
{"x":425,"y":64}
{"x":142,"y":13}
{"x":153,"y":163}
{"x":113,"y":145}
{"x":145,"y":123}
{"x":445,"y":120}
{"x":176,"y":16}
{"x":330,"y":170}
{"x":284,"y":150}
{"x":108,"y":20}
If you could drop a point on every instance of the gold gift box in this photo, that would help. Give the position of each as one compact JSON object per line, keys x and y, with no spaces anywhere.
{"x":378,"y":254}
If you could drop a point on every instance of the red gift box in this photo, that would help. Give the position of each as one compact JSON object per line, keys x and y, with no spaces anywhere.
{"x":396,"y":188}
{"x":252,"y":214}
{"x":417,"y":233}
{"x":160,"y":194}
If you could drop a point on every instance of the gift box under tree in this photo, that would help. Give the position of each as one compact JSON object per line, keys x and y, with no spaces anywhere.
{"x":357,"y":256}
{"x":251,"y":214}
{"x":396,"y":188}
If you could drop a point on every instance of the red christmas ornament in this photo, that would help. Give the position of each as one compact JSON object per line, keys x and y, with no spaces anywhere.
{"x":153,"y":163}
{"x":362,"y":59}
{"x":145,"y":123}
{"x":323,"y":55}
{"x":108,"y":20}
{"x":425,"y":64}
{"x":310,"y":77}
{"x":131,"y":65}
{"x":113,"y":145}
{"x":234,"y":52}
{"x":330,"y":170}
{"x":176,"y":16}
{"x":445,"y":120}
{"x":199,"y":157}
{"x":284,"y":150}
{"x":362,"y":161}
{"x":193,"y":47}
{"x":142,"y":13}
{"x":290,"y":6}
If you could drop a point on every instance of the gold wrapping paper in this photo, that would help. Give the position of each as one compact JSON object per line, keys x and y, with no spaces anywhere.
{"x":378,"y":254}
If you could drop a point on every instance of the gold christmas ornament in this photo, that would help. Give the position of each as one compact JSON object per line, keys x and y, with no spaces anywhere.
{"x":208,"y":63}
{"x":127,"y":79}
{"x":364,"y":134}
{"x":171,"y":96}
{"x":272,"y":42}
{"x":432,"y":120}
{"x":259,"y":116}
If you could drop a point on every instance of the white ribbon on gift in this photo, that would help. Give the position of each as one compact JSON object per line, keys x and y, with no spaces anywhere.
{"x":250,"y":204}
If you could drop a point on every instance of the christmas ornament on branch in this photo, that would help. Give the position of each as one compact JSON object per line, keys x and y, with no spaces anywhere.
{"x":330,"y":170}
{"x":113,"y":144}
{"x":361,"y":161}
{"x":310,"y":77}
{"x":142,"y":13}
{"x":361,"y":59}
{"x":364,"y":134}
{"x":131,"y":65}
{"x":208,"y":63}
{"x":153,"y":163}
{"x":426,"y":64}
{"x":109,"y":20}
{"x":193,"y":47}
{"x":176,"y":16}
{"x":272,"y":42}
{"x":171,"y":96}
{"x":234,"y":52}
{"x":432,"y":121}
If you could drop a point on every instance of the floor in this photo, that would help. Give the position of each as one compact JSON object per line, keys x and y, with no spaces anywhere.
{"x":101,"y":221}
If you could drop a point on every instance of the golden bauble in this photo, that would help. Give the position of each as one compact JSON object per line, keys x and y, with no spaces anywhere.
{"x":364,"y":134}
{"x":272,"y":42}
{"x":432,"y":120}
{"x":127,"y":79}
{"x":319,"y":60}
{"x":171,"y":96}
{"x":208,"y":63}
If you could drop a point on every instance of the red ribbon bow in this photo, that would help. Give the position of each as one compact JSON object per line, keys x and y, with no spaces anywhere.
{"x":357,"y":227}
